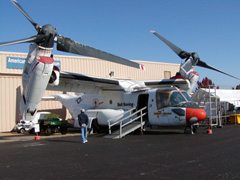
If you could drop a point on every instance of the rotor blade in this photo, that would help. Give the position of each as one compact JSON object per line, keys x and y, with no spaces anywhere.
{"x":67,"y":45}
{"x":205,"y":65}
{"x":181,"y":53}
{"x":36,"y":26}
{"x":36,"y":38}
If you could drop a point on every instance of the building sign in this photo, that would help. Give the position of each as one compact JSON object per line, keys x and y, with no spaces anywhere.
{"x":15,"y":63}
{"x":18,"y":63}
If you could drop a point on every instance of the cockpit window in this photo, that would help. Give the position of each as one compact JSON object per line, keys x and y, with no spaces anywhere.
{"x":172,"y":98}
{"x":186,"y":95}
{"x":176,"y":98}
{"x":162,"y":99}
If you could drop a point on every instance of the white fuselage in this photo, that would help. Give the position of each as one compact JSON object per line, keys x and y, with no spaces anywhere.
{"x":109,"y":104}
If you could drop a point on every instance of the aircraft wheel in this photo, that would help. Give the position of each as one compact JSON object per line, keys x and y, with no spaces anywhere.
{"x":96,"y":128}
{"x":188,"y":130}
{"x":90,"y":130}
{"x":195,"y":129}
{"x":63,"y":130}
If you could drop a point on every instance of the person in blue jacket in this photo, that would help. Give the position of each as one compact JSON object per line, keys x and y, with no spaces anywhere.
{"x":83,"y":122}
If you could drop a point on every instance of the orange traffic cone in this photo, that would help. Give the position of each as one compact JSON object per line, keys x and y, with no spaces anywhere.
{"x":37,"y":137}
{"x":209,"y":131}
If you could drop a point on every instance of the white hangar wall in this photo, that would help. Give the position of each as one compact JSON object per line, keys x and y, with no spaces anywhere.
{"x":11,"y":81}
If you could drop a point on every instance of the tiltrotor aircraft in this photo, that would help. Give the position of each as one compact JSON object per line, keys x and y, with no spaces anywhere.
{"x":163,"y":102}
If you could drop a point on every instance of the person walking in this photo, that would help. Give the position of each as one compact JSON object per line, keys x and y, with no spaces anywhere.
{"x":83,"y":122}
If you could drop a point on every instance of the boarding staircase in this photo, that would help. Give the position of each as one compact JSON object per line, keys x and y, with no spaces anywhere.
{"x":127,"y":124}
{"x":215,"y":117}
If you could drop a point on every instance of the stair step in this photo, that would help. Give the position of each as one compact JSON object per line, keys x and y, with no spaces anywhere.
{"x":126,"y":130}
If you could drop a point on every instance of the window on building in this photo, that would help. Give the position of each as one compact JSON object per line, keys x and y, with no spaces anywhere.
{"x":167,"y":74}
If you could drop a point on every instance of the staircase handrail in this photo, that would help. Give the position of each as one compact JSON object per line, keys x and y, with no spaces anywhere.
{"x":120,"y":121}
{"x":122,"y":114}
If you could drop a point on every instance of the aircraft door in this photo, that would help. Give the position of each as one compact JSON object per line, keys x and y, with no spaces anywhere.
{"x":143,"y":102}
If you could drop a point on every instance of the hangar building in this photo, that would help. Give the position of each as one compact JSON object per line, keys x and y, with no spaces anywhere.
{"x":11,"y":65}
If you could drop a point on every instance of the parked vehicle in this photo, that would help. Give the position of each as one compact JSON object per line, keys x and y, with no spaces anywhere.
{"x":233,"y":110}
{"x":53,"y":125}
{"x":48,"y":123}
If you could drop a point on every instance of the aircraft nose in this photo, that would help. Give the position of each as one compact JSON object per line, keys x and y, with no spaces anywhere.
{"x":195,"y":115}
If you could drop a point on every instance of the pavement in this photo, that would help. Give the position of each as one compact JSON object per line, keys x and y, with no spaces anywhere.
{"x":14,"y":136}
{"x":158,"y":154}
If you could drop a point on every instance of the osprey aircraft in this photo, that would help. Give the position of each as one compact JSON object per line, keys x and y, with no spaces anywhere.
{"x":163,"y":102}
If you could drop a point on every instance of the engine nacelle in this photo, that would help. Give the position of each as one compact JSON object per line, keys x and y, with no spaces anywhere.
{"x":54,"y":79}
{"x":34,"y":86}
{"x":103,"y":115}
{"x":193,"y":78}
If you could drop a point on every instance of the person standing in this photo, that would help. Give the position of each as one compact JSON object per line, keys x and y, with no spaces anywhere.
{"x":83,"y":122}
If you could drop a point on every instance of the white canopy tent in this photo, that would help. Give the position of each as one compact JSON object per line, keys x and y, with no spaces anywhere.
{"x":221,"y":100}
{"x":224,"y":95}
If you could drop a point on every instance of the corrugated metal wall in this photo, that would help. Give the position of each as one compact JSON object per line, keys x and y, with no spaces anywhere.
{"x":10,"y":82}
{"x":97,"y":67}
{"x":10,"y":93}
{"x":8,"y":101}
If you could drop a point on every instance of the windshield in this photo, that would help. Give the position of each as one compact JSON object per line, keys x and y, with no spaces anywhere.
{"x":176,"y":98}
{"x":186,"y":95}
{"x":173,"y":98}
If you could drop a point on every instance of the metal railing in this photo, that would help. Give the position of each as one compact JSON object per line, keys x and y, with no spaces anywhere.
{"x":132,"y":112}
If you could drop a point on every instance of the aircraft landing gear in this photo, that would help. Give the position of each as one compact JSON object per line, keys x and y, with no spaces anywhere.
{"x":95,"y":127}
{"x":190,"y":129}
{"x":195,"y":130}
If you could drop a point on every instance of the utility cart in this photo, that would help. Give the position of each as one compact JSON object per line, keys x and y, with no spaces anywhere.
{"x":53,"y":125}
{"x":49,"y":123}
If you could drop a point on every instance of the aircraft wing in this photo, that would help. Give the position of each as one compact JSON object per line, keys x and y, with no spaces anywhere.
{"x":72,"y":82}
{"x":80,"y":83}
{"x":180,"y":83}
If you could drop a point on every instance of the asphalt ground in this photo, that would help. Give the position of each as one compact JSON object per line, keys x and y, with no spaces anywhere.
{"x":158,"y":154}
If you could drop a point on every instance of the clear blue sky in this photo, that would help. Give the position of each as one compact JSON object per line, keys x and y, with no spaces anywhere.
{"x":122,"y":27}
